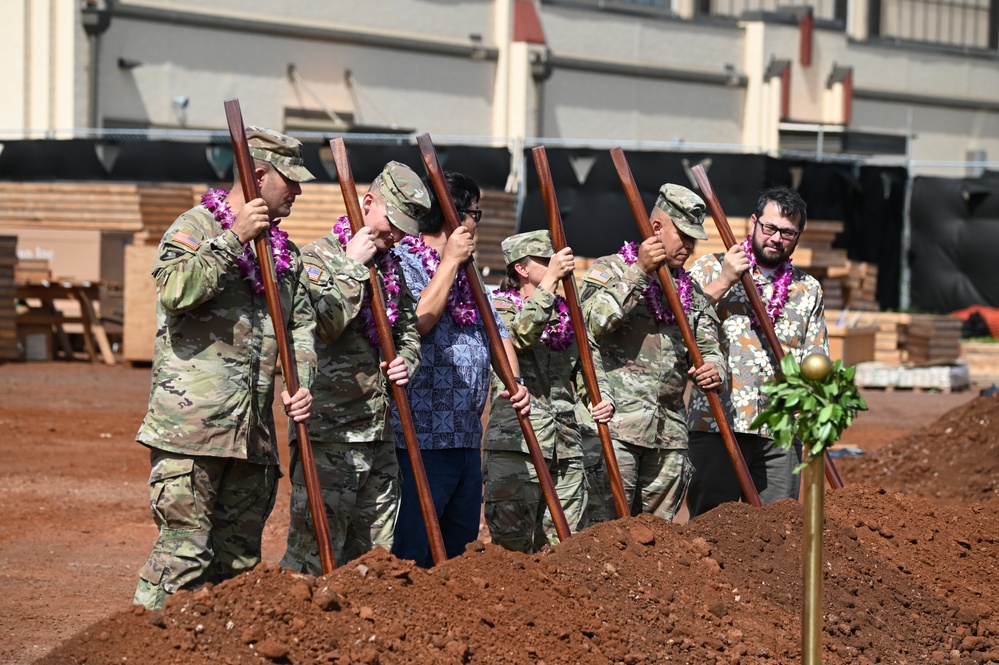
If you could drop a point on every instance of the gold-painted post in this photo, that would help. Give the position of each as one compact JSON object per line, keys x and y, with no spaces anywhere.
{"x":811,"y":614}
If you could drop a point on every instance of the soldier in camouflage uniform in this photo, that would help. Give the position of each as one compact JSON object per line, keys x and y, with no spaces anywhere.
{"x":644,"y":355}
{"x":542,"y":334}
{"x":351,"y":430}
{"x":210,"y":428}
{"x":794,"y":301}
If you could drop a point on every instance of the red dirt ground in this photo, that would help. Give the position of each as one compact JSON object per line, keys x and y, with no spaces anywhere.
{"x":909,"y":578}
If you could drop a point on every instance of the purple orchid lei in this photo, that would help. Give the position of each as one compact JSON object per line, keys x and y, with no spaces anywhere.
{"x":556,"y":336}
{"x":460,"y":304}
{"x":782,"y":285}
{"x":653,"y":292}
{"x":388,"y":264}
{"x":215,"y":201}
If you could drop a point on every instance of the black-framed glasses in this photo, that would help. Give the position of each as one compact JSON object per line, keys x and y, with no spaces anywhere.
{"x":770,"y":229}
{"x":474,"y":214}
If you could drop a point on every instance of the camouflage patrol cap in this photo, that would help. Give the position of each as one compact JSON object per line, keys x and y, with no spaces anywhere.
{"x":532,"y":243}
{"x":283,"y":152}
{"x":685,"y":208}
{"x":406,"y":197}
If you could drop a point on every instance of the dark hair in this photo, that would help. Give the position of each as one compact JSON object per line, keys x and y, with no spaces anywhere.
{"x":789,"y":203}
{"x":511,"y":280}
{"x":464,"y":191}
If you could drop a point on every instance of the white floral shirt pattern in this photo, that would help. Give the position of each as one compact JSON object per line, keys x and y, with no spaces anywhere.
{"x":801,"y":330}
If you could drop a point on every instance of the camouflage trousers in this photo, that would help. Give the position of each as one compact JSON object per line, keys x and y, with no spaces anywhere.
{"x":515,"y":508}
{"x":210,"y":512}
{"x":599,"y":499}
{"x":654,"y":480}
{"x":359,"y":483}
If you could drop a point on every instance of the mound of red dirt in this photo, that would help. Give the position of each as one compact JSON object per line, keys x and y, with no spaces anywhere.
{"x":955,"y":459}
{"x":906,"y":581}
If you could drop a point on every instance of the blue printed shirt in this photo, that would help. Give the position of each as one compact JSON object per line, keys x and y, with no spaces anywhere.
{"x":449,"y":392}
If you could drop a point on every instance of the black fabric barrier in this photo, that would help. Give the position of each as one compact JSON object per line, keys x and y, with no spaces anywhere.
{"x":178,"y":161}
{"x":597,"y":220}
{"x":594,"y":210}
{"x":955,"y":242}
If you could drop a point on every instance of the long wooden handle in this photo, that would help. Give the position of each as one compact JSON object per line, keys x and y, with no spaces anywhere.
{"x":579,"y":325}
{"x":262,"y":244}
{"x":501,"y":364}
{"x":666,"y":281}
{"x":725,"y":231}
{"x":349,"y":191}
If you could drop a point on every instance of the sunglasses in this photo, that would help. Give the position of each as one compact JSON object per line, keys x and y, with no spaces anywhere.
{"x":474,"y":214}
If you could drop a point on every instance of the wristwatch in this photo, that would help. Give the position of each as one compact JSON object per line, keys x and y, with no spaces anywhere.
{"x":519,"y":379}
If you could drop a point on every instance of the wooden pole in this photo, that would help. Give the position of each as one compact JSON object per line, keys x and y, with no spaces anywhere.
{"x":725,"y":231}
{"x":579,"y":325}
{"x":349,"y":191}
{"x":811,"y":615}
{"x":501,"y":364}
{"x":262,"y":244}
{"x":666,"y":280}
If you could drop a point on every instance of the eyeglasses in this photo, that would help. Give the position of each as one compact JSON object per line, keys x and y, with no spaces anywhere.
{"x":770,"y":229}
{"x":474,"y":214}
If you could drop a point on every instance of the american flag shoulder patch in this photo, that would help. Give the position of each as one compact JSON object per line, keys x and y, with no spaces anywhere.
{"x":502,"y":304}
{"x":314,"y":272}
{"x":598,"y":275}
{"x":186,"y":239}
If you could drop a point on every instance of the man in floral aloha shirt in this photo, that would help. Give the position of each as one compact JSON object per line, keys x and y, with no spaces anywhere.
{"x":793,"y":300}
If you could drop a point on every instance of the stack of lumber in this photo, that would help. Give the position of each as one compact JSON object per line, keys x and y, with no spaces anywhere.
{"x":932,"y":339}
{"x":889,"y":341}
{"x":914,"y":339}
{"x":8,"y":315}
{"x":815,"y":251}
{"x":32,"y":270}
{"x":858,"y":282}
{"x":983,"y":360}
{"x":160,"y":204}
{"x":106,"y":206}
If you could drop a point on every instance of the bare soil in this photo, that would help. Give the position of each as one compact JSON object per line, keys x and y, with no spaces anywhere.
{"x":910,"y":578}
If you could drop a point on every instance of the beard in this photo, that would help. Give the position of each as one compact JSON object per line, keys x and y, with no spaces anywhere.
{"x":769,"y":255}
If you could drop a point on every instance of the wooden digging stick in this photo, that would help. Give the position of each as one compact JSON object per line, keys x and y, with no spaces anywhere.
{"x":579,"y":325}
{"x":666,"y":281}
{"x":725,"y":231}
{"x":349,"y":191}
{"x":262,"y":245}
{"x":501,"y":364}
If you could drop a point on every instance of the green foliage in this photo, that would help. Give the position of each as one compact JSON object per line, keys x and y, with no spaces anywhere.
{"x":816,"y":412}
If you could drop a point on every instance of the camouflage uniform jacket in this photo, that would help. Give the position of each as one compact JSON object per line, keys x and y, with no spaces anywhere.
{"x":549,"y":375}
{"x":646,"y":360}
{"x":353,"y":399}
{"x":215,"y":352}
{"x":801,"y":329}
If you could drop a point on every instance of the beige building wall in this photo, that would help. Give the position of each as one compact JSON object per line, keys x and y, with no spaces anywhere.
{"x":451,"y":68}
{"x":42,"y":46}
